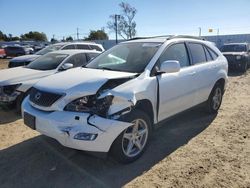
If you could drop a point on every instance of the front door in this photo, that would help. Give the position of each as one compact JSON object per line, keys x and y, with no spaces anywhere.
{"x":176,"y":90}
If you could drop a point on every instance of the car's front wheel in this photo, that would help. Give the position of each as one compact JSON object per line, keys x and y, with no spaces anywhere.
{"x":132,"y":142}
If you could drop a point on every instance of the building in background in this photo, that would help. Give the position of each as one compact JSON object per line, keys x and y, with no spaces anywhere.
{"x":220,"y":40}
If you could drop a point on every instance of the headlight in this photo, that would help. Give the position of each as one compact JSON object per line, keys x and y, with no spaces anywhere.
{"x":79,"y":105}
{"x":9,"y":89}
{"x":90,"y":104}
{"x":238,"y":57}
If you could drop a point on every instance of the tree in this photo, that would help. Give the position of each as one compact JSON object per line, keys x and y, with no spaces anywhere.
{"x":3,"y":37}
{"x":15,"y":38}
{"x":9,"y":37}
{"x":34,"y":35}
{"x":126,"y":24}
{"x":53,"y":40}
{"x":69,"y":38}
{"x":97,"y":35}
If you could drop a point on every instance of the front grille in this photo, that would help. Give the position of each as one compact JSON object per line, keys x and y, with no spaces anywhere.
{"x":230,"y":58}
{"x":43,"y":98}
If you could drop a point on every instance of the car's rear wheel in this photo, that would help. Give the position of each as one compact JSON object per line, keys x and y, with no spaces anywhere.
{"x":215,"y":99}
{"x":243,"y":67}
{"x":132,"y":142}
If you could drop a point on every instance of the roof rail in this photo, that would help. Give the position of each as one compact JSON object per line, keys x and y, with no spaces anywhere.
{"x":168,"y":37}
{"x":160,"y":36}
{"x":186,"y":36}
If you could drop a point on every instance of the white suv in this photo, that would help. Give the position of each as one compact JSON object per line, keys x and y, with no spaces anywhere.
{"x":113,"y":103}
{"x":26,"y":59}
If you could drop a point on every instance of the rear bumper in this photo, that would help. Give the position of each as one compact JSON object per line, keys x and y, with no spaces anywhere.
{"x":64,"y":126}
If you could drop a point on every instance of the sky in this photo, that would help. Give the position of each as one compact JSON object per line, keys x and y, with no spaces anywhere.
{"x":154,"y":17}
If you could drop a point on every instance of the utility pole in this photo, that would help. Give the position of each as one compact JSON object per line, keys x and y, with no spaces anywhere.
{"x":116,"y":27}
{"x":199,"y":31}
{"x":77,"y":33}
{"x":218,"y":32}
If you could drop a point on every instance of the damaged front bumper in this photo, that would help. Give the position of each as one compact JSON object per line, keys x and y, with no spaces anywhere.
{"x":81,"y":131}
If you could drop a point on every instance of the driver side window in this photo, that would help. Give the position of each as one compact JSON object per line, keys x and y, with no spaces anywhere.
{"x":77,"y":60}
{"x":177,"y":52}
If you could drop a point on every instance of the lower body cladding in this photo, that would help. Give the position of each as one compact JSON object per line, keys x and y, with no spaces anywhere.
{"x":81,"y":131}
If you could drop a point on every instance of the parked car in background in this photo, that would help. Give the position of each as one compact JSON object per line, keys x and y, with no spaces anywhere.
{"x":15,"y":83}
{"x":2,"y":52}
{"x":238,"y":55}
{"x":113,"y":104}
{"x":38,"y":47}
{"x":14,"y":51}
{"x":29,"y":48}
{"x":25,"y":60}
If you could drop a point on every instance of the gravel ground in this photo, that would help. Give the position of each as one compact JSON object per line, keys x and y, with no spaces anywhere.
{"x":192,"y":150}
{"x":4,"y":63}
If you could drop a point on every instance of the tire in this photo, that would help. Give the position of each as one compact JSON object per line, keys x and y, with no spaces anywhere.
{"x":215,"y":99}
{"x":125,"y":148}
{"x":19,"y":101}
{"x":243,"y":67}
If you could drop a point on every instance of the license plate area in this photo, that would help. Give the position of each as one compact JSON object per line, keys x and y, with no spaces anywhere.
{"x":29,"y":120}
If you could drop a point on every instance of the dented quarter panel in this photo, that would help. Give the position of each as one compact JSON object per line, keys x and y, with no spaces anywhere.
{"x":132,"y":91}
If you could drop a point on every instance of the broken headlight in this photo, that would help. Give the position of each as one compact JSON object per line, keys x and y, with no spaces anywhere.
{"x":90,"y":104}
{"x":9,"y":89}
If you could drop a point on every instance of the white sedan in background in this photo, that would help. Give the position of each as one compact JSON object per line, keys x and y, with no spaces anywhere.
{"x":15,"y":83}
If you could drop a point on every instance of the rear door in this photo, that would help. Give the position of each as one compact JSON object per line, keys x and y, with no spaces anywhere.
{"x":176,"y":90}
{"x":204,"y":62}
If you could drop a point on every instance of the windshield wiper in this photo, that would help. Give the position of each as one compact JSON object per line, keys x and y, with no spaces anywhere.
{"x":106,"y":68}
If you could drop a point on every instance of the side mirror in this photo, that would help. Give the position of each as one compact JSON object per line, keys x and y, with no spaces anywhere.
{"x":170,"y":66}
{"x":67,"y":66}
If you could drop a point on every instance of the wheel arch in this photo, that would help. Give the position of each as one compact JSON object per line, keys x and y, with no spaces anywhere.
{"x":146,"y":106}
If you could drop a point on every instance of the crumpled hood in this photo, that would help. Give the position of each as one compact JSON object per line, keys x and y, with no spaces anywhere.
{"x":79,"y":81}
{"x":25,"y":58}
{"x":233,"y":53}
{"x":20,"y":74}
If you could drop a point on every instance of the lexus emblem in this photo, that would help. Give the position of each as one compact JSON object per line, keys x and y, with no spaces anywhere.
{"x":38,"y":96}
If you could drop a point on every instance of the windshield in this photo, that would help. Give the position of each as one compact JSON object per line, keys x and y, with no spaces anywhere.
{"x":234,"y":48}
{"x":48,"y":61}
{"x":127,"y":57}
{"x":49,"y":49}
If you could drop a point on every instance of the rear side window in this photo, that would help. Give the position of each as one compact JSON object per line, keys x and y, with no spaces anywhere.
{"x":96,"y":48}
{"x":213,"y":54}
{"x":208,"y":55}
{"x":176,"y":52}
{"x":69,"y":47}
{"x":83,"y":47}
{"x":197,"y":53}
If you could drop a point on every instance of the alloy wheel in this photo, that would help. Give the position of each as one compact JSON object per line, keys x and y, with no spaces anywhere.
{"x":135,"y":138}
